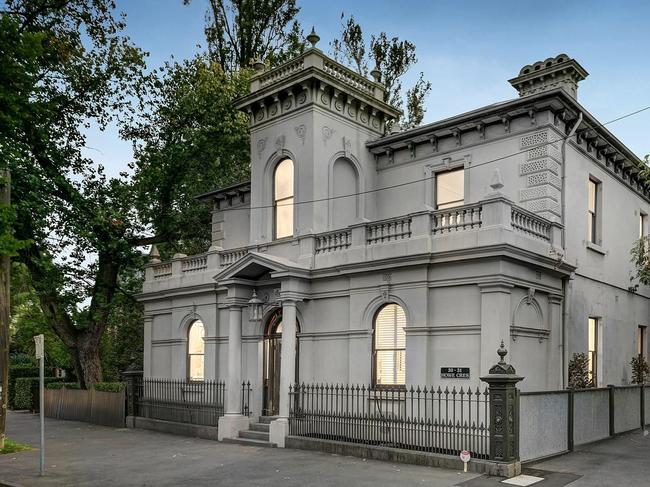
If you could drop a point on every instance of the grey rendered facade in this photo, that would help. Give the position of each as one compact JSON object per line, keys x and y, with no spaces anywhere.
{"x":514,"y":261}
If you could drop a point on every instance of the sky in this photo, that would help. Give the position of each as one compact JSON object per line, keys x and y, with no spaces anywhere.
{"x":467,"y":49}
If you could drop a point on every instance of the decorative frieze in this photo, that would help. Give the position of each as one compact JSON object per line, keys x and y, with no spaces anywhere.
{"x":543,"y":191}
{"x":546,"y":177}
{"x":538,"y":165}
{"x":548,"y":150}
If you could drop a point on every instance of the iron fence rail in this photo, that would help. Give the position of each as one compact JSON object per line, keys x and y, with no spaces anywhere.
{"x":425,"y":419}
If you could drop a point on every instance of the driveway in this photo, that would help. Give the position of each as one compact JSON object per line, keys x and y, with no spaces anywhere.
{"x":83,"y":454}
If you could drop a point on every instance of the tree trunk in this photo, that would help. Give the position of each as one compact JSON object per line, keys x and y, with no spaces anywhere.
{"x":89,"y":361}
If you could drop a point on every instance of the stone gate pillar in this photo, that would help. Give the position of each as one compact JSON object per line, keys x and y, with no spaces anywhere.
{"x":504,"y":415}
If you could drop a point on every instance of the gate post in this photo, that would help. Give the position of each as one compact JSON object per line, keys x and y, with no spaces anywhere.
{"x":504,"y":415}
{"x":133,"y":379}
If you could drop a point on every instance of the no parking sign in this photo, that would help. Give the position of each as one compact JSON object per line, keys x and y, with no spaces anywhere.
{"x":465,"y":457}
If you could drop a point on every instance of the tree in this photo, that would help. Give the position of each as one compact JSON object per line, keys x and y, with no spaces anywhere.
{"x":640,"y":369}
{"x":239,"y":32}
{"x":392,"y":57}
{"x":579,"y":372}
{"x":190,"y":140}
{"x":66,"y":65}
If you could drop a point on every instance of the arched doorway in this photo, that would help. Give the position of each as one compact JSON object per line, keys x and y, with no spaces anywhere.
{"x":272,"y":360}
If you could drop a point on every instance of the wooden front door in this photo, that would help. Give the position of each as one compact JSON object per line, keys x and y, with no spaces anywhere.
{"x":272,"y":359}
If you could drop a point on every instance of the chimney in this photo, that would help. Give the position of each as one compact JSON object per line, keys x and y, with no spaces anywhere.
{"x":558,"y":72}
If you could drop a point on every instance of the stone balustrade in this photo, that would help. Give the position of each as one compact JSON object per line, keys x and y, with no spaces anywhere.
{"x":456,"y":219}
{"x":333,"y":241}
{"x":493,"y":221}
{"x":389,"y":230}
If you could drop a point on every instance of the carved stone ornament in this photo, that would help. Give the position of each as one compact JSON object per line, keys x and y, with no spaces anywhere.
{"x":347,"y":147}
{"x":261,"y":145}
{"x":327,"y":133}
{"x":279,"y":144}
{"x":530,"y":296}
{"x":497,"y":181}
{"x":301,"y":132}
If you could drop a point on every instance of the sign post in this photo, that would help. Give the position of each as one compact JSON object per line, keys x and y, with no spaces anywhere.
{"x":465,"y":458}
{"x":39,"y":341}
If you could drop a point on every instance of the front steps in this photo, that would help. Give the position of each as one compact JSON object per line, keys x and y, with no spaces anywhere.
{"x":257,"y":435}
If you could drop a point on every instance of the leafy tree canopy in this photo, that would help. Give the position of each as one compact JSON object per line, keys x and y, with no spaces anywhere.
{"x":392,"y":57}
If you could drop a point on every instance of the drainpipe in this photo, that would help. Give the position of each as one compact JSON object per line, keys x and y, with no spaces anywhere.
{"x":566,"y":285}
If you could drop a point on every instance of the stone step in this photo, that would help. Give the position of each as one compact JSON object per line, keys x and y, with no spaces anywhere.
{"x":267,"y":419}
{"x":254,"y":435}
{"x":250,"y":442}
{"x":260,"y":427}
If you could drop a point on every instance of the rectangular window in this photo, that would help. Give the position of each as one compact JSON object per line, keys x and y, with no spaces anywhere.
{"x":450,"y":189}
{"x":592,"y":212}
{"x":643,"y":225}
{"x":592,"y":351}
{"x":641,"y":340}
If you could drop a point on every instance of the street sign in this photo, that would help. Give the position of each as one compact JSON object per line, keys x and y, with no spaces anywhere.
{"x":454,"y":372}
{"x":39,"y":341}
{"x":465,"y":457}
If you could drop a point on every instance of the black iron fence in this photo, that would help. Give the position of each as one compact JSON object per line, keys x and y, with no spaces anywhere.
{"x":425,"y":419}
{"x":195,"y":402}
{"x":246,"y":398}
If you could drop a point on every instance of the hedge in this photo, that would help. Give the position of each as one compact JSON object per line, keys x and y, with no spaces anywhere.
{"x":26,"y":394}
{"x":109,"y":386}
{"x":61,"y":385}
{"x":99,"y":386}
{"x":18,"y":371}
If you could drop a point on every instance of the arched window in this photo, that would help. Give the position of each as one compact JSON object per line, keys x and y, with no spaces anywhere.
{"x":195,"y":351}
{"x":283,"y":199}
{"x":389,"y":346}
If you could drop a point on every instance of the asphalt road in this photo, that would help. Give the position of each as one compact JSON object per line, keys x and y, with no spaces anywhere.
{"x":82,"y":454}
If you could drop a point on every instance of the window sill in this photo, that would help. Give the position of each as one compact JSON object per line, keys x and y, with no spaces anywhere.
{"x":596,"y":248}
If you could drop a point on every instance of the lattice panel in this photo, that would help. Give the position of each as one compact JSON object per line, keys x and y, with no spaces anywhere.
{"x":543,"y":191}
{"x":544,"y":178}
{"x":544,"y":204}
{"x":534,"y":139}
{"x":539,"y":165}
{"x":549,"y":150}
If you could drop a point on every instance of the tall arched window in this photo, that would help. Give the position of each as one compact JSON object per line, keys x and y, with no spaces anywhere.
{"x":195,"y":351}
{"x":283,"y":199}
{"x":389,"y":347}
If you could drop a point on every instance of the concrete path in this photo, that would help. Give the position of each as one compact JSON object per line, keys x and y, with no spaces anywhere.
{"x":81,"y":454}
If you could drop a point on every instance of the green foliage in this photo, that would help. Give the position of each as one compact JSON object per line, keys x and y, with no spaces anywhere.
{"x":393,"y":58}
{"x":640,"y":369}
{"x":109,"y":386}
{"x":191,"y":140}
{"x":579,"y":372}
{"x":19,"y":371}
{"x":27,"y":395}
{"x":13,"y":447}
{"x":61,"y":385}
{"x":66,"y":66}
{"x":240,"y":32}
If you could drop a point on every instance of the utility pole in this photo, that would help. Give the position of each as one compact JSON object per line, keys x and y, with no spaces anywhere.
{"x":5,"y":200}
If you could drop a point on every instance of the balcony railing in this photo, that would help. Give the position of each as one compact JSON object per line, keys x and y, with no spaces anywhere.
{"x":333,"y":241}
{"x":456,"y":219}
{"x":389,"y":230}
{"x":512,"y":223}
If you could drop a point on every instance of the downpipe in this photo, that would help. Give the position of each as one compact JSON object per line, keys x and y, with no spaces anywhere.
{"x":566,"y":284}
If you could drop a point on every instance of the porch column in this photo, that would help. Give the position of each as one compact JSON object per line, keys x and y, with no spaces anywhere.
{"x":233,"y":421}
{"x":288,"y":359}
{"x":234,"y":362}
{"x":279,"y":429}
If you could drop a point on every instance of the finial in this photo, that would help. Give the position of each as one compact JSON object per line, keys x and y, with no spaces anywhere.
{"x":258,"y":65}
{"x":313,"y":38}
{"x":502,"y":352}
{"x":497,"y":182}
{"x":154,"y":255}
{"x":376,"y":74}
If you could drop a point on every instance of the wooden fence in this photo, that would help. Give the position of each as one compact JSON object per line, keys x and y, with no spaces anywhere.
{"x":90,"y":406}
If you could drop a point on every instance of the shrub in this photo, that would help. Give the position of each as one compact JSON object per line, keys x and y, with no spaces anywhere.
{"x":109,"y":386}
{"x":640,"y":369}
{"x":16,"y":372}
{"x":579,"y":372}
{"x":61,"y":385}
{"x":26,"y":393}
